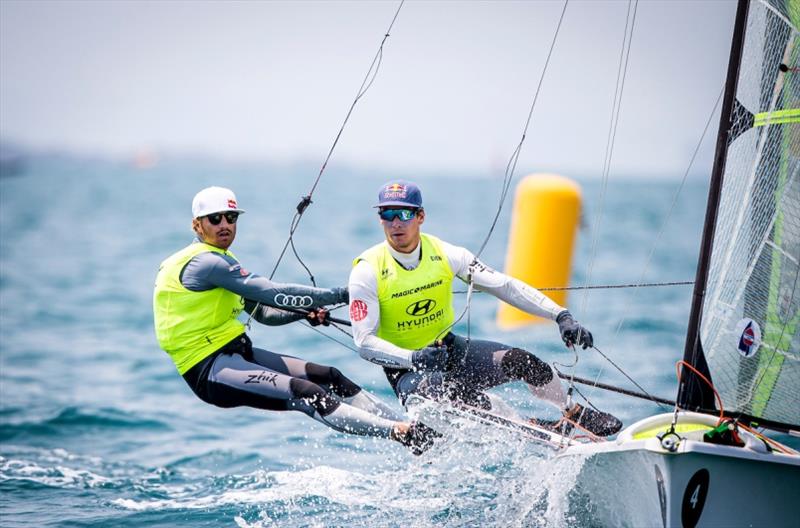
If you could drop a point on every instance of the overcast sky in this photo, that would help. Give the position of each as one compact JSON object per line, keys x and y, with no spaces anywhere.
{"x":261,"y":80}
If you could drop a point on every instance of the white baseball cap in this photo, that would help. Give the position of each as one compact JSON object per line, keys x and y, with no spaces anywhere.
{"x":214,"y":200}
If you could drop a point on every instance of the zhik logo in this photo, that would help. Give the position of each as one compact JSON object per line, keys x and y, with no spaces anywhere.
{"x":266,"y":377}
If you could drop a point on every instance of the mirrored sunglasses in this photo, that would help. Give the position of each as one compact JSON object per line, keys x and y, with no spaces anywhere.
{"x":216,"y":218}
{"x":387,"y":215}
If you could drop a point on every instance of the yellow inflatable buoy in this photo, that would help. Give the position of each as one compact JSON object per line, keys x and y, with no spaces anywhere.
{"x":543,"y":227}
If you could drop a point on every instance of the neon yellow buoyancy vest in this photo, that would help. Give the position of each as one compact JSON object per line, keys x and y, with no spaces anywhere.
{"x":191,"y":325}
{"x":417,"y":305}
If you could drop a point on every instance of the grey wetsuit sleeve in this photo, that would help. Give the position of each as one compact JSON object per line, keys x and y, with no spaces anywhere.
{"x":268,"y":315}
{"x":215,"y":270}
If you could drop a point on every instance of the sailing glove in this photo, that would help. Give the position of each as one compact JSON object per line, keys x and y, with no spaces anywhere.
{"x":430,"y":358}
{"x":572,"y":332}
{"x":318,"y":317}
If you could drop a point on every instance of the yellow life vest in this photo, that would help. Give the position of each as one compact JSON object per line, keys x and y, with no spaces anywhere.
{"x":191,"y":325}
{"x":416,"y":305}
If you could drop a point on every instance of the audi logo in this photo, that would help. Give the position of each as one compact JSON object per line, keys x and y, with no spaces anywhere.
{"x":421,"y":307}
{"x":294,"y":301}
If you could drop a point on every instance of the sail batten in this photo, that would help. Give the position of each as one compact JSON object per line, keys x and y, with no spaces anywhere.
{"x":750,"y":317}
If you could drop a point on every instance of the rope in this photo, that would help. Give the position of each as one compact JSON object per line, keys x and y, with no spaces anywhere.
{"x":650,"y":396}
{"x":512,"y":162}
{"x":511,"y":166}
{"x":774,"y":443}
{"x":607,"y":286}
{"x":320,"y":332}
{"x":616,"y":106}
{"x":662,"y":229}
{"x":305,"y":201}
{"x":674,"y":203}
{"x":612,"y":388}
{"x":683,"y":363}
{"x":656,"y":242}
{"x":369,"y":78}
{"x":622,"y":70}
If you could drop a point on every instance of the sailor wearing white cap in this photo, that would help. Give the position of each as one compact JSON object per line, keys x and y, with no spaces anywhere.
{"x":199,"y":293}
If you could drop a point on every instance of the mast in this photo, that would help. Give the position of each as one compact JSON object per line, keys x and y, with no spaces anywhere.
{"x":694,"y":393}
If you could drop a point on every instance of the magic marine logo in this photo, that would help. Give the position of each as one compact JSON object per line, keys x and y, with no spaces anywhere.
{"x":421,"y":308}
{"x":411,"y":291}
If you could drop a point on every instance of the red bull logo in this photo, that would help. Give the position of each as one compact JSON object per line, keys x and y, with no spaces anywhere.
{"x":394,"y":190}
{"x":232,"y":204}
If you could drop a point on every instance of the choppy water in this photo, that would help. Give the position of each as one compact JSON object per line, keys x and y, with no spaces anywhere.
{"x":97,"y":428}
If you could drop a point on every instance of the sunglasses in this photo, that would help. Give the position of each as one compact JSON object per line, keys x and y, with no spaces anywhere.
{"x":216,"y":218}
{"x":387,"y":215}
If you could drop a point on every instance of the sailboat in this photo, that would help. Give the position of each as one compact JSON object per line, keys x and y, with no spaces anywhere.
{"x":707,"y":463}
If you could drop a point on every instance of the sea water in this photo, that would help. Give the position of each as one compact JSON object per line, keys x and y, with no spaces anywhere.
{"x":98,"y":429}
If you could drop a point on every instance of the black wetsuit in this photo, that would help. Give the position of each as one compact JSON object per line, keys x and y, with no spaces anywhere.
{"x":239,"y":374}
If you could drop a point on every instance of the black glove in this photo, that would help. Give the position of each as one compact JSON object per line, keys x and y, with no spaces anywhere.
{"x":430,"y":358}
{"x":342,"y":295}
{"x":572,"y":332}
{"x":318,"y":317}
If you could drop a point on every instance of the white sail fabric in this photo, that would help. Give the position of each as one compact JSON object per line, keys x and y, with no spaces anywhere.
{"x":751,"y":311}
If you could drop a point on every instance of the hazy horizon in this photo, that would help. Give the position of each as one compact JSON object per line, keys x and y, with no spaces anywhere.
{"x":271,"y":82}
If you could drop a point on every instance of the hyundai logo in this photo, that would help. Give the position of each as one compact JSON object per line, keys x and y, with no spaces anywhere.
{"x":421,"y":307}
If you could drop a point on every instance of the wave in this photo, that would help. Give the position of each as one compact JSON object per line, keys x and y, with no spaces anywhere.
{"x":493,"y":480}
{"x":73,"y":418}
{"x":31,"y":474}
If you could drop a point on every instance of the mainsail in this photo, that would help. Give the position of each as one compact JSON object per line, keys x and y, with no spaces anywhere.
{"x":749,"y":331}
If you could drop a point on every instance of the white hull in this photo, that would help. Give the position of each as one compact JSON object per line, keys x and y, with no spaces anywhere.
{"x":634,"y":481}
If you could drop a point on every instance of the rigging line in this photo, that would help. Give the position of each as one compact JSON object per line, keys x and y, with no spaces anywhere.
{"x":612,"y":388}
{"x":616,"y":110}
{"x":663,"y":229}
{"x":511,"y":166}
{"x":297,"y":256}
{"x":672,"y":207}
{"x":573,"y":380}
{"x":369,"y":78}
{"x":617,"y":286}
{"x":320,"y":332}
{"x":607,"y":286}
{"x":303,"y":311}
{"x":305,"y":201}
{"x":512,"y":162}
{"x":333,"y":321}
{"x":625,"y":374}
{"x":622,"y":69}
